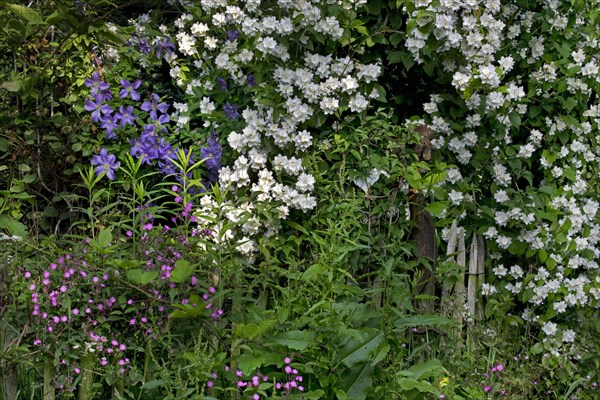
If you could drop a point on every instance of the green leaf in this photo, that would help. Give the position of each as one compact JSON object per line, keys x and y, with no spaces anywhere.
{"x":357,"y":381}
{"x":13,"y":226}
{"x":153,"y":384}
{"x":437,"y":208}
{"x":408,"y":384}
{"x":182,"y":272}
{"x":249,"y":362}
{"x":105,"y":238}
{"x":426,"y":369}
{"x":26,"y":13}
{"x":423,"y":320}
{"x":515,"y":119}
{"x":296,"y":340}
{"x":11,"y":86}
{"x":253,"y":330}
{"x":361,"y":349}
{"x":140,"y":277}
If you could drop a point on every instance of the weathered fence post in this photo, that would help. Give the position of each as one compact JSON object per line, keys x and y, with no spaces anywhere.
{"x":476,"y":276}
{"x":49,"y":375}
{"x":86,"y":385}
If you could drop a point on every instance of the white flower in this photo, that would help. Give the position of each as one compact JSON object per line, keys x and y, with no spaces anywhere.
{"x":455,"y":197}
{"x":550,"y":328}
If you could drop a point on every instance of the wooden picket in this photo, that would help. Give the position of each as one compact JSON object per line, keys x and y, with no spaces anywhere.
{"x":456,"y":296}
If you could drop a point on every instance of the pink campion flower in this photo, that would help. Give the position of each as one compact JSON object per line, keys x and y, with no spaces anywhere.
{"x":301,"y":388}
{"x":210,"y":384}
{"x":147,"y":227}
{"x":114,"y":343}
{"x":75,"y":311}
{"x":37,"y":342}
{"x":76,"y":371}
{"x":239,"y":373}
{"x":32,"y":287}
{"x":103,"y":362}
{"x":63,"y":318}
{"x":499,"y":367}
{"x":63,"y":288}
{"x":27,"y":274}
{"x":288,"y":369}
{"x":256,"y":397}
{"x":129,"y":233}
{"x":487,"y":388}
{"x":95,"y":279}
{"x":287,"y":360}
{"x":53,"y":266}
{"x":105,"y":277}
{"x":122,"y":347}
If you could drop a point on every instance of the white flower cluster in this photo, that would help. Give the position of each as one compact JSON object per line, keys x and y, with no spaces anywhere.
{"x":271,"y":137}
{"x":542,"y":160}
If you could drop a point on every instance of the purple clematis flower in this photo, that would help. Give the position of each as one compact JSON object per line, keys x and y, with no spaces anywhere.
{"x":109,"y":123}
{"x":125,"y":115}
{"x":232,"y":35}
{"x":231,"y":111}
{"x":107,"y":163}
{"x":223,"y":83}
{"x":96,"y":84}
{"x":129,"y":89}
{"x":212,"y":153}
{"x":144,"y":46}
{"x":153,"y":105}
{"x":97,"y":108}
{"x":251,"y":81}
{"x":164,"y":45}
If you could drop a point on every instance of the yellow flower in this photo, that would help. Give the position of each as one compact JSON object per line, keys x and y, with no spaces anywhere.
{"x":444,"y":381}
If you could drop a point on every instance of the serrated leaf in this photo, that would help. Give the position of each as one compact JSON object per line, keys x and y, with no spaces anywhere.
{"x":140,"y":277}
{"x":182,"y":272}
{"x":105,"y":238}
{"x":26,"y":13}
{"x":249,"y":362}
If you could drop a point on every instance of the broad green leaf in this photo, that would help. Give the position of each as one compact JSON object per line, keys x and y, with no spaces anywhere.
{"x":438,"y":207}
{"x":408,"y":384}
{"x":13,"y":226}
{"x":105,"y":238}
{"x":182,"y":272}
{"x":249,"y":362}
{"x":296,"y":340}
{"x":253,"y":330}
{"x":357,"y":381}
{"x":26,"y":13}
{"x":11,"y":86}
{"x":361,"y":349}
{"x":140,"y":277}
{"x":426,"y":369}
